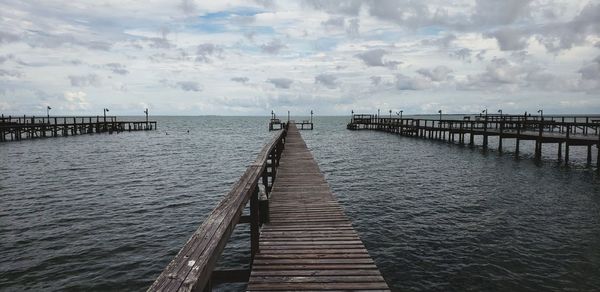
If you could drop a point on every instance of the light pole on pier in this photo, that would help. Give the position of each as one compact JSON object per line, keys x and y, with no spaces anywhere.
{"x":541,"y":114}
{"x":500,"y":111}
{"x":440,"y":112}
{"x":105,"y":110}
{"x":400,"y":113}
{"x":377,"y":113}
{"x":146,"y":112}
{"x":390,"y":114}
{"x":484,"y":112}
{"x":48,"y":108}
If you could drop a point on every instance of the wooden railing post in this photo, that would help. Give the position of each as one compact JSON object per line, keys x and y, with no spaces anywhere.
{"x":254,"y":223}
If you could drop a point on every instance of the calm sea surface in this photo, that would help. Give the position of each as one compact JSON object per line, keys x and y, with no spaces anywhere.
{"x":108,"y":212}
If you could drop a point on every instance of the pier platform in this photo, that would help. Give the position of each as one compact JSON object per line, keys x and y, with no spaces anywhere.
{"x":309,"y":243}
{"x":565,"y":132}
{"x":30,"y":127}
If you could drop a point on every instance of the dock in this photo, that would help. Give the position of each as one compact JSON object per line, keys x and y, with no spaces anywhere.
{"x":309,"y":243}
{"x":31,"y":127}
{"x":300,"y":237}
{"x":563,"y":131}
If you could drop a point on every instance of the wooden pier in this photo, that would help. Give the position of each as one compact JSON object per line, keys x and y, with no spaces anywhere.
{"x":30,"y":127}
{"x":305,"y":243}
{"x":567,"y":131}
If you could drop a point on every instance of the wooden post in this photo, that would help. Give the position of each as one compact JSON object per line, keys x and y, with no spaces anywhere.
{"x":538,"y":141}
{"x":559,"y":151}
{"x":472,"y":135}
{"x":485,"y":135}
{"x":518,"y":140}
{"x":598,"y":156}
{"x":500,"y":137}
{"x":589,"y":154}
{"x":254,"y":223}
{"x":567,"y":145}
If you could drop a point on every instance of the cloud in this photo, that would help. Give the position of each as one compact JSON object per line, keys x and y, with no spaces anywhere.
{"x":206,"y":52}
{"x":183,"y":85}
{"x":375,"y":80}
{"x":10,"y":73}
{"x":6,"y":37}
{"x":438,"y":74}
{"x":76,"y":100}
{"x":334,"y":23}
{"x":85,"y":80}
{"x":284,"y":83}
{"x":374,"y":58}
{"x":189,"y":85}
{"x":188,"y":6}
{"x":443,"y":42}
{"x":240,"y":79}
{"x":463,"y":54}
{"x":590,"y":76}
{"x":117,"y":68}
{"x":353,"y":27}
{"x":491,"y":12}
{"x":327,"y":80}
{"x":273,"y":47}
{"x":510,"y":39}
{"x":404,"y":82}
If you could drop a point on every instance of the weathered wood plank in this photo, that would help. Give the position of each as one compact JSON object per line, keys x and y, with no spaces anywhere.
{"x":309,"y":243}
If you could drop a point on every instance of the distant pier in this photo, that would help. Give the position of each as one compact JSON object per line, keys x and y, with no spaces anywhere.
{"x":565,"y":131}
{"x":16,"y":128}
{"x":300,"y":238}
{"x":276,"y":124}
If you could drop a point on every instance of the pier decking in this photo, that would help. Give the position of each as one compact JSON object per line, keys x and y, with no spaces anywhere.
{"x":309,"y":244}
{"x":557,"y":130}
{"x":30,"y":127}
{"x":306,"y":242}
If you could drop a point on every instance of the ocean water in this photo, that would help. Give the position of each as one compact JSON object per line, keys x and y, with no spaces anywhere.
{"x":108,"y":212}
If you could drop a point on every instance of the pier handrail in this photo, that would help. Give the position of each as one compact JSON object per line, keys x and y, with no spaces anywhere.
{"x":194,"y":265}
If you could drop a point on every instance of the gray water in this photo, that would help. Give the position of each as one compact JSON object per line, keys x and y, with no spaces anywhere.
{"x":108,"y":212}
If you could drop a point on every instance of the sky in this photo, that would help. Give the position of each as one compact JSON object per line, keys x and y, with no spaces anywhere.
{"x":250,"y":57}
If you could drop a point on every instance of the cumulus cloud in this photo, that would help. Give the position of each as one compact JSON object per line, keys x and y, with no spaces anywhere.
{"x":283,"y":83}
{"x":273,"y":47}
{"x":189,"y":85}
{"x":243,"y":80}
{"x":76,"y":100}
{"x":206,"y":52}
{"x":10,"y":73}
{"x":85,"y":80}
{"x":183,"y":85}
{"x":463,"y":54}
{"x":327,"y":80}
{"x":375,"y":58}
{"x":510,"y":39}
{"x":491,"y":12}
{"x":334,"y":23}
{"x":117,"y":68}
{"x":6,"y":37}
{"x":404,"y":82}
{"x":375,"y":80}
{"x":438,"y":74}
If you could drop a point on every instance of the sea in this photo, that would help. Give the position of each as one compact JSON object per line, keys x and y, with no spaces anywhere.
{"x":105,"y":212}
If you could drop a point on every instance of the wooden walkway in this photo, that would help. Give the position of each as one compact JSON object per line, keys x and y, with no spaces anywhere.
{"x":309,"y":243}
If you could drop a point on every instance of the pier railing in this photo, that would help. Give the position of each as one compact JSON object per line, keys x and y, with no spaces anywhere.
{"x":568,"y":130}
{"x":193,"y":268}
{"x":16,"y":128}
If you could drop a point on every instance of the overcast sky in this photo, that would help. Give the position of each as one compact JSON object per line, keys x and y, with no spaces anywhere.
{"x":247,"y":58}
